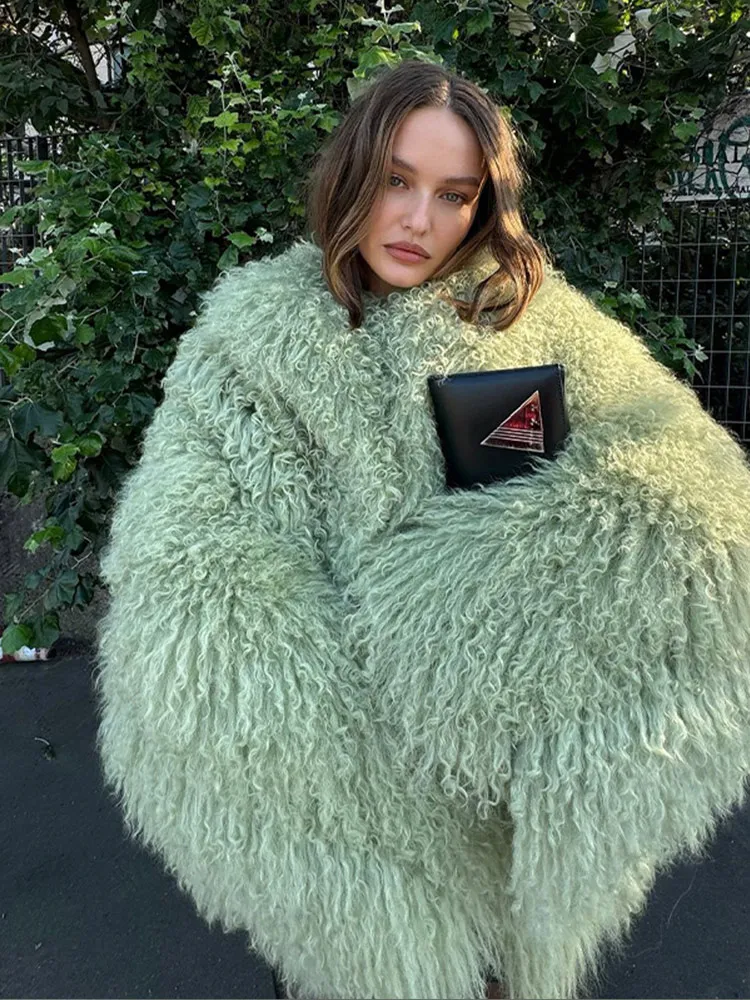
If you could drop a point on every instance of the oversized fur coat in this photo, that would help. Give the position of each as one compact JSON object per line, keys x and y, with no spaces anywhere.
{"x":403,"y":736}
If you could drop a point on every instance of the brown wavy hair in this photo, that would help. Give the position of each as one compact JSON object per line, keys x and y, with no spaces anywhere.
{"x":346,"y":181}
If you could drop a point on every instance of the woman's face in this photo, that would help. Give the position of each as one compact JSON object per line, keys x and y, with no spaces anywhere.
{"x":430,"y":198}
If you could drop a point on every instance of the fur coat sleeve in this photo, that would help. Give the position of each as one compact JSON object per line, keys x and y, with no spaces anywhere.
{"x":403,"y":736}
{"x":576,"y":644}
{"x":222,"y":651}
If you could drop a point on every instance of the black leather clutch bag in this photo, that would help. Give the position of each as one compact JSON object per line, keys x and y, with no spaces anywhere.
{"x":495,"y":425}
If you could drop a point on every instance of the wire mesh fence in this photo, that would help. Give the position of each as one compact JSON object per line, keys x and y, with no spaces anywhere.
{"x":700,"y":271}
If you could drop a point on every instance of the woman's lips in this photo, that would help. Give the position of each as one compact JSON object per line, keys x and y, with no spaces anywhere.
{"x":405,"y":255}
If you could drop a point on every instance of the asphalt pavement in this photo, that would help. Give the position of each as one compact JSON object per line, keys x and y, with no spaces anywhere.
{"x":86,"y":913}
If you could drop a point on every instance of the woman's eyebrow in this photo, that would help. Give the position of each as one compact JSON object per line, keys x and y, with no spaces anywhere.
{"x":446,"y":180}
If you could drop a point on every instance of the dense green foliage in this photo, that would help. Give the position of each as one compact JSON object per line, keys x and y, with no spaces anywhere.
{"x":194,"y":160}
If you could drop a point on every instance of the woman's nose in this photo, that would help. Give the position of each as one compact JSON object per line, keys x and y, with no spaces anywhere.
{"x":419,"y":213}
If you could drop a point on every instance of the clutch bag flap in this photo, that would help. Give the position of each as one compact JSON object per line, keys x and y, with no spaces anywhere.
{"x":495,"y":425}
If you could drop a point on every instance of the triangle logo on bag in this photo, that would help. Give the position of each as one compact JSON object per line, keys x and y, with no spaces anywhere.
{"x":523,"y":430}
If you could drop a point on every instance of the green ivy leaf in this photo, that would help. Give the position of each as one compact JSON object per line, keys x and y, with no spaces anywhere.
{"x":377,"y":56}
{"x":84,"y":334}
{"x":511,"y":80}
{"x":197,"y":196}
{"x":225,"y":120}
{"x":153,"y":358}
{"x":63,"y":462}
{"x":595,"y":146}
{"x":228,"y":259}
{"x":16,"y":636}
{"x":8,"y":394}
{"x":51,"y":533}
{"x":32,"y":580}
{"x":45,"y":630}
{"x":620,"y":114}
{"x":13,"y":604}
{"x":9,"y":216}
{"x":30,"y":418}
{"x":109,"y":381}
{"x":20,"y":275}
{"x":665,"y":31}
{"x":107,"y":472}
{"x":23,"y":353}
{"x":202,"y":30}
{"x":8,"y":361}
{"x":32,"y":167}
{"x":17,"y":462}
{"x":141,"y":407}
{"x":90,"y":444}
{"x":63,"y":452}
{"x":535,"y":90}
{"x":62,"y":591}
{"x":241,"y":240}
{"x":480,"y":23}
{"x":685,"y":130}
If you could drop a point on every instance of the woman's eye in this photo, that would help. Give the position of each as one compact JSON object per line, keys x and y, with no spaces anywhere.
{"x":455,"y":194}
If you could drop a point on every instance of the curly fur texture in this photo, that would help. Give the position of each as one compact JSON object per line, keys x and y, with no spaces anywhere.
{"x":403,"y":736}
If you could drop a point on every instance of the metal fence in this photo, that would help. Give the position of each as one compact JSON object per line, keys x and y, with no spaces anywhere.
{"x":16,"y":189}
{"x":700,"y":271}
{"x":699,"y":268}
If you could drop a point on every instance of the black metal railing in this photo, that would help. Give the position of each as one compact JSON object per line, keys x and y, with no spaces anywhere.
{"x":17,"y":188}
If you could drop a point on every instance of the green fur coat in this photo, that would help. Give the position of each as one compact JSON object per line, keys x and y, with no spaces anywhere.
{"x":403,"y":736}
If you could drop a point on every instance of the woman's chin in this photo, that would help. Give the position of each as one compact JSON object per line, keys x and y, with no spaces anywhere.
{"x":402,"y":276}
{"x":393,"y":275}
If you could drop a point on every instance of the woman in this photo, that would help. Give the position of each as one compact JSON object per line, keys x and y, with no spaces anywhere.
{"x":404,"y":735}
